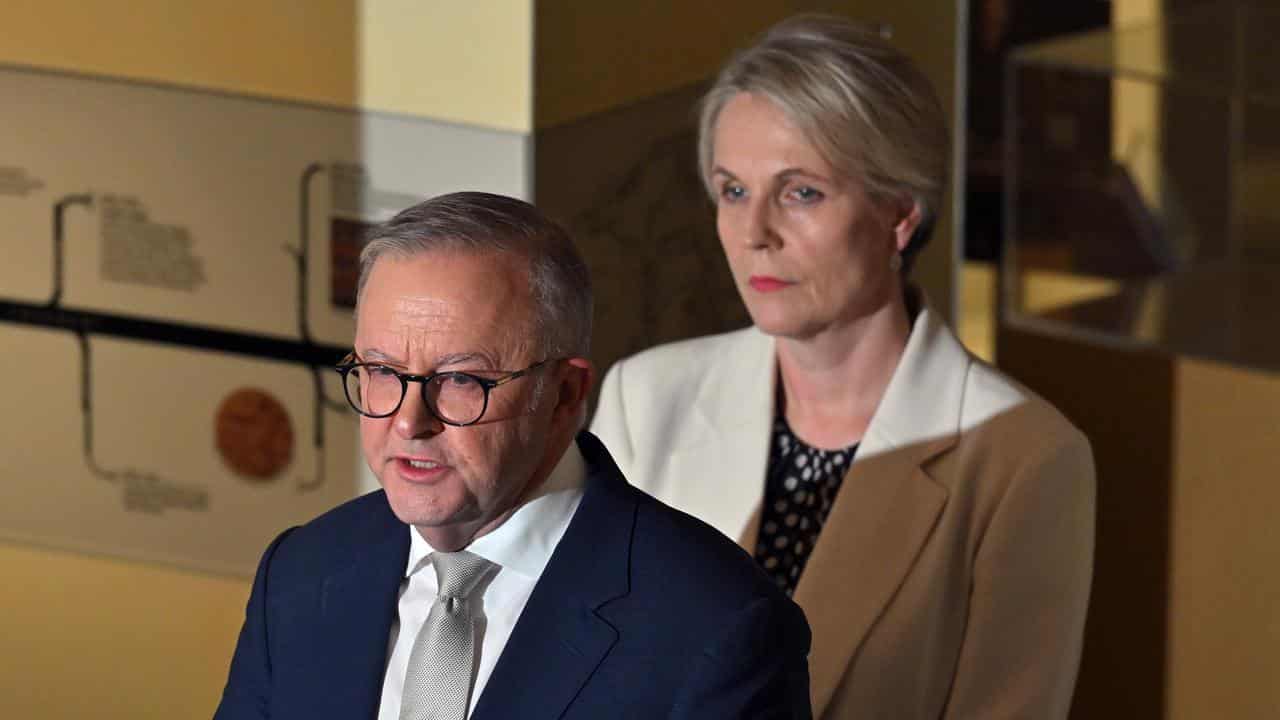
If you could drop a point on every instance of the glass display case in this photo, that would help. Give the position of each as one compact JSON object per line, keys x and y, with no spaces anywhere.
{"x":1142,"y":196}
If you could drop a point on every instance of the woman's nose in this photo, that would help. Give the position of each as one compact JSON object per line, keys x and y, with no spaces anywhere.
{"x":757,"y":227}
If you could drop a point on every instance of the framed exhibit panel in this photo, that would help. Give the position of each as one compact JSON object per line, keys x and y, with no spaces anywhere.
{"x":179,"y":280}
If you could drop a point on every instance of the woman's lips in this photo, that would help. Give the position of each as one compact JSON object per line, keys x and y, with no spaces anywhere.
{"x":766,"y":283}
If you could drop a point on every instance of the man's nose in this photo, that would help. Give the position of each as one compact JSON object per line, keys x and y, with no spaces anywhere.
{"x":414,"y":418}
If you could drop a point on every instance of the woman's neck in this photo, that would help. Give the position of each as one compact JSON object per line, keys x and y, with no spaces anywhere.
{"x":833,"y":382}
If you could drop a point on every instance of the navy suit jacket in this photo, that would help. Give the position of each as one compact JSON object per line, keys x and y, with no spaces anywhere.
{"x":642,"y":612}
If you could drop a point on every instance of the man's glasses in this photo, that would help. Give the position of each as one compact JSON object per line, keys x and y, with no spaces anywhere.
{"x":454,"y":398}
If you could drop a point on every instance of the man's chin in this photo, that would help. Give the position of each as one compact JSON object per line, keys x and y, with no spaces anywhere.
{"x":429,"y":516}
{"x":446,"y":536}
{"x":423,"y":518}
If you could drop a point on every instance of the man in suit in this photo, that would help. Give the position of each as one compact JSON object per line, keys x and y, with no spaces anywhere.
{"x":505,"y":570}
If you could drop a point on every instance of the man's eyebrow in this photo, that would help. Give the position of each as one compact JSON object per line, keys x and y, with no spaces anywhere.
{"x":478,"y":360}
{"x":466,"y":358}
{"x":375,"y":355}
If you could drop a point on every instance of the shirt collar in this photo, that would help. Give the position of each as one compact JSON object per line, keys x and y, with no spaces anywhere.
{"x":524,"y":542}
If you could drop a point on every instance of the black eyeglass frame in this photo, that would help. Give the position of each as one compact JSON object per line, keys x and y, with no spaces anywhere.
{"x":353,"y":361}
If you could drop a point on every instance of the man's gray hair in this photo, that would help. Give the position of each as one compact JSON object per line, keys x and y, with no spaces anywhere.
{"x":865,"y":106}
{"x":477,"y":222}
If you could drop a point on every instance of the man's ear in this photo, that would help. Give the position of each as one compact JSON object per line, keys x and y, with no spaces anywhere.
{"x":910,"y":216}
{"x":573,"y":389}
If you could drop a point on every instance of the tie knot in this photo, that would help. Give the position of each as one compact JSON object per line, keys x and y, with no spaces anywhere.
{"x":459,"y":572}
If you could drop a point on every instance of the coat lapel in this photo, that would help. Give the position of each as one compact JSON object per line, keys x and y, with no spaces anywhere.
{"x":722,"y":454}
{"x":887,"y":506}
{"x":357,"y":608}
{"x":560,"y":638}
{"x":882,"y":517}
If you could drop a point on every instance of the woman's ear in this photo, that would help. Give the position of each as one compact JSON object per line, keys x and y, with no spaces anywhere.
{"x":910,"y":216}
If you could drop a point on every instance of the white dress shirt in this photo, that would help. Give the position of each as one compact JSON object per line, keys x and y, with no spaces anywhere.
{"x":520,"y":547}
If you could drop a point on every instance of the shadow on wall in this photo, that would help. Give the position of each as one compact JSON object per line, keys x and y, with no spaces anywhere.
{"x":644,"y":224}
{"x":1123,"y":670}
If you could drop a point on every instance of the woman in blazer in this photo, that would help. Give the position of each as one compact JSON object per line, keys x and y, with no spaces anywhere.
{"x":933,"y":518}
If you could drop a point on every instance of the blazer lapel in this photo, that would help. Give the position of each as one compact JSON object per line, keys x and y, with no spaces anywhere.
{"x":887,"y":506}
{"x":720,"y":461}
{"x":884,"y":513}
{"x":357,"y":608}
{"x":751,"y":531}
{"x":560,"y":638}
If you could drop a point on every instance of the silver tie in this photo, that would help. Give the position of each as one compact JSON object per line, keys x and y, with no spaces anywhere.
{"x":437,"y":685}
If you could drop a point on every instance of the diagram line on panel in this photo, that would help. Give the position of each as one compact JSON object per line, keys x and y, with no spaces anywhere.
{"x":146,"y":490}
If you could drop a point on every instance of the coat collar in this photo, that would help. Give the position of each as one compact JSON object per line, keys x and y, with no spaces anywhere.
{"x":731,"y":418}
{"x":738,"y":395}
{"x":723,"y":447}
{"x":921,"y":408}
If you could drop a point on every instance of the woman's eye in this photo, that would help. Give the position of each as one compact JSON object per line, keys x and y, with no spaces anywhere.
{"x":731,"y":192}
{"x":806,"y":194}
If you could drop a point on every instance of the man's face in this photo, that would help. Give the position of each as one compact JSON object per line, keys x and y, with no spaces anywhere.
{"x":468,"y":312}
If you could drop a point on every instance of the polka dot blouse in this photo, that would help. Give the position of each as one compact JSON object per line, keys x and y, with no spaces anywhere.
{"x":800,"y":487}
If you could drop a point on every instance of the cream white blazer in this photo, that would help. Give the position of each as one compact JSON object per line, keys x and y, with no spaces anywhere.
{"x":952,"y":576}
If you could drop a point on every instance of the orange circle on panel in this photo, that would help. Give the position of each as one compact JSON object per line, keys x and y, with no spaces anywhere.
{"x":253,"y":434}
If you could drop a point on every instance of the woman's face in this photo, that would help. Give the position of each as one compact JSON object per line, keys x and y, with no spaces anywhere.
{"x":809,"y":249}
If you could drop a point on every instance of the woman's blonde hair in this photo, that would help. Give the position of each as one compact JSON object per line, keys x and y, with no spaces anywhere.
{"x":865,"y":106}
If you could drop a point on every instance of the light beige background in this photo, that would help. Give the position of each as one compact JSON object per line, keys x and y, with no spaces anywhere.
{"x":384,"y":55}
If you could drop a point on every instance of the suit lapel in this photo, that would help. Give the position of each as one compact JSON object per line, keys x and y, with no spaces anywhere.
{"x":560,"y":638}
{"x":357,"y":608}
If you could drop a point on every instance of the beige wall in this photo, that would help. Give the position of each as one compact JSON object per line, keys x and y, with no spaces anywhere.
{"x":376,"y":54}
{"x":466,"y":62}
{"x":1223,"y":615}
{"x":595,"y":56}
{"x":89,"y":637}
